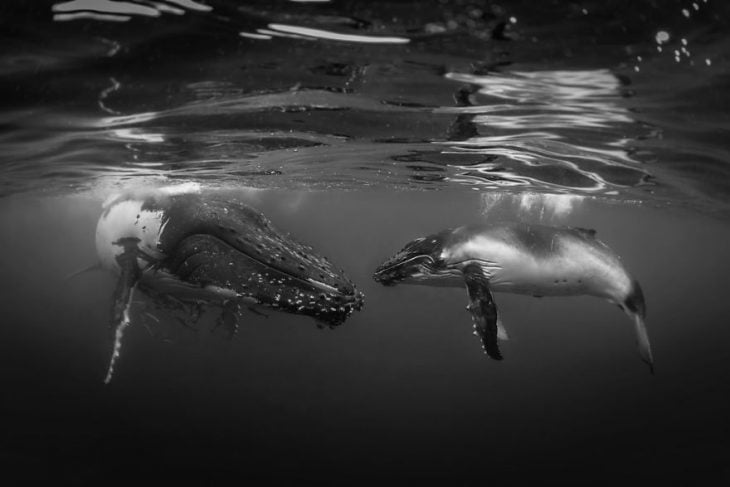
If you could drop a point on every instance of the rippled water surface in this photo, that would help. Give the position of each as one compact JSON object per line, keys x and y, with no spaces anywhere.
{"x":356,"y":127}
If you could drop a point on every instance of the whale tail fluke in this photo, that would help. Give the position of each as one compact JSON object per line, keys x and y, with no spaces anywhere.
{"x":635,"y":307}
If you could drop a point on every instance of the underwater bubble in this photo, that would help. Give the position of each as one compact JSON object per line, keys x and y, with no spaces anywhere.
{"x":662,"y":37}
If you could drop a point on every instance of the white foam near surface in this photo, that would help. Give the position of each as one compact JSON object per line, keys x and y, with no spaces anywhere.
{"x":544,"y":207}
{"x":190,"y":187}
{"x":183,"y":188}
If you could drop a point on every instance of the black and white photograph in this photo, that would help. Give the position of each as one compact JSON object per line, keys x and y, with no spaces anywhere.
{"x":365,"y":242}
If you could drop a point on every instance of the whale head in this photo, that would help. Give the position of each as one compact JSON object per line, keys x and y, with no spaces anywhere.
{"x":188,"y":251}
{"x":207,"y":248}
{"x":420,"y":260}
{"x":266,"y":268}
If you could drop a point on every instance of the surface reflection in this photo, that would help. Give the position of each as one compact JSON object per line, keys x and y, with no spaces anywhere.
{"x":188,"y":251}
{"x":556,"y":129}
{"x":108,"y":10}
{"x":520,"y":258}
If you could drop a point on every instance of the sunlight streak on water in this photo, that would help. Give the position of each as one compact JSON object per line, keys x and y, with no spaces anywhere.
{"x":549,"y":120}
{"x":558,"y":131}
{"x":91,"y":15}
{"x":536,"y":143}
{"x":121,"y":11}
{"x":336,"y":36}
{"x":106,"y":6}
{"x":273,"y":33}
{"x":137,"y":135}
{"x":251,"y":35}
{"x":545,"y":86}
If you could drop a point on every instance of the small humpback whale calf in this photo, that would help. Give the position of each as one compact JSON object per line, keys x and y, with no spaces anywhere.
{"x":521,"y":258}
{"x":177,"y":243}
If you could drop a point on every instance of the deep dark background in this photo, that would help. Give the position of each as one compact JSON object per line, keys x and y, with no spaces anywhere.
{"x":401,"y":391}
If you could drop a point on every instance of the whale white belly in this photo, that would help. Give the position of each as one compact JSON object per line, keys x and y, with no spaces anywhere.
{"x":571,"y":268}
{"x":127,"y":219}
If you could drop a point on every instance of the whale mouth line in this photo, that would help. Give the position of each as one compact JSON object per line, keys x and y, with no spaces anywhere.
{"x":392,"y":266}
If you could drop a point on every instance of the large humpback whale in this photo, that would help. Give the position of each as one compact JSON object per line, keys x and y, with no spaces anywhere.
{"x":180,"y":244}
{"x":519,"y":258}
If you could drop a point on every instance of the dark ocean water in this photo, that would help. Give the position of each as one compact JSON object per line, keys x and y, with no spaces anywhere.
{"x":356,"y":127}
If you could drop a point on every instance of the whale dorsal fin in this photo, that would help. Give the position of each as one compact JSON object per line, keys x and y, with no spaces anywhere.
{"x":483,"y":309}
{"x":586,"y":232}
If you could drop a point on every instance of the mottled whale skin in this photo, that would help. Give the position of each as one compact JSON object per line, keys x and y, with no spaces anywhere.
{"x":520,"y":258}
{"x":208,"y":249}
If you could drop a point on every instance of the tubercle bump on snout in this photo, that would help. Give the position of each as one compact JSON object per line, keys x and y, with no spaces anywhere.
{"x":335,"y":314}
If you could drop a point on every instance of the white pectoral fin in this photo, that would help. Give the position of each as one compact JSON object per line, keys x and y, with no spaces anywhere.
{"x":118,"y":334}
{"x":123,"y":293}
{"x":501,"y":330}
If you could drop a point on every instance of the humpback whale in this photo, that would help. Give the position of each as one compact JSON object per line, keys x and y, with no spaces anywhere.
{"x":204,"y":249}
{"x":521,"y":258}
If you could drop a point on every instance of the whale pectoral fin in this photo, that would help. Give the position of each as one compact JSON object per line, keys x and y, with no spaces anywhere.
{"x":501,"y":330}
{"x":123,"y":294}
{"x":119,"y":326}
{"x":228,"y":319}
{"x":483,"y":309}
{"x":89,"y":268}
